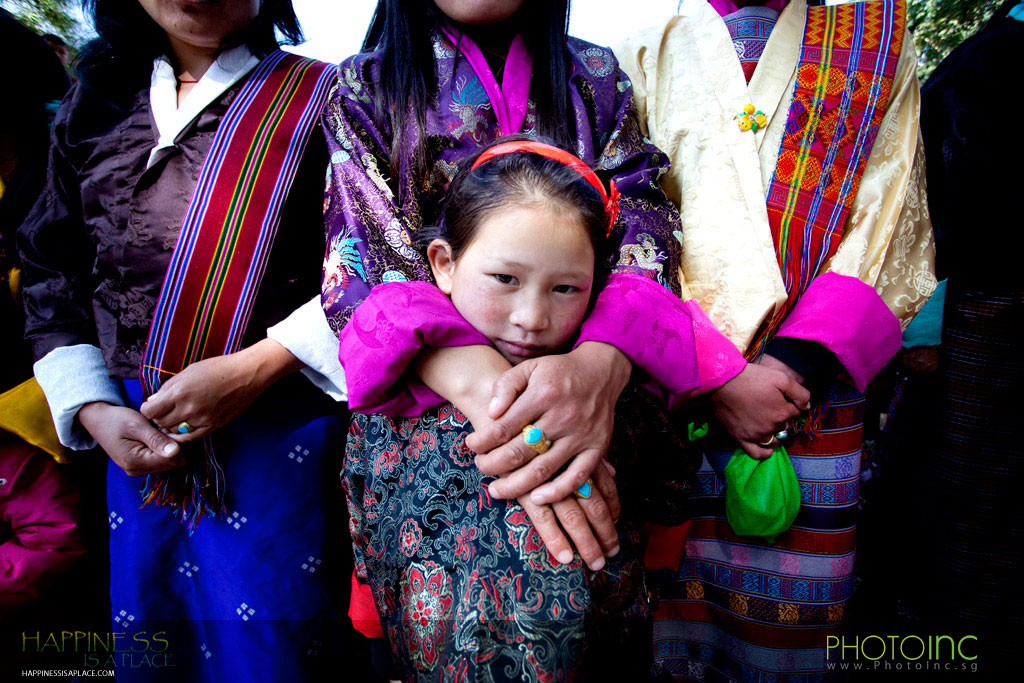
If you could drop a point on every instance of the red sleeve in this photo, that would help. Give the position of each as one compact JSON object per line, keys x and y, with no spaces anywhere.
{"x":362,"y":611}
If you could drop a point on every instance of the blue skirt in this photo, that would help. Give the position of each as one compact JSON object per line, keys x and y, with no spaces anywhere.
{"x":252,"y":597}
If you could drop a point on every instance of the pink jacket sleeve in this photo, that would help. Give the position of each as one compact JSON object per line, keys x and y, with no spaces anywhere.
{"x":717,"y":358}
{"x":848,"y":318}
{"x":384,"y":334}
{"x":39,"y":536}
{"x":653,"y":328}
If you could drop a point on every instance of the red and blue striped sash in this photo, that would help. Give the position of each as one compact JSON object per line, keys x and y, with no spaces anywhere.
{"x":844,"y":80}
{"x":225,"y":242}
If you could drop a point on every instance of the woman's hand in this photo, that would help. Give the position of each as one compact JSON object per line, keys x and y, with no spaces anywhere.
{"x":774,"y":363}
{"x":212,"y":392}
{"x":757,"y":403}
{"x":588,"y":522}
{"x":571,"y":398}
{"x":464,"y":376}
{"x":135,"y":445}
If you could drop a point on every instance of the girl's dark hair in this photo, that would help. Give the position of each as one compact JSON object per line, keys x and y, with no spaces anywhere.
{"x":117,"y":64}
{"x":402,"y":30}
{"x":518,"y":178}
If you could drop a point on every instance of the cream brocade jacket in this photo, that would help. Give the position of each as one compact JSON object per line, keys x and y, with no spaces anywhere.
{"x":688,"y":87}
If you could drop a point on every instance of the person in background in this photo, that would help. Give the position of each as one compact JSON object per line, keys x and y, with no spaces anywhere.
{"x":41,"y":535}
{"x":36,"y":75}
{"x":220,"y":483}
{"x":799,"y":169}
{"x":60,"y":48}
{"x":971,"y":517}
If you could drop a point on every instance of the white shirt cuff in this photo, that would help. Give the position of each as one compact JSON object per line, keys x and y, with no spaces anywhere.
{"x":308,"y":336}
{"x":70,"y":377}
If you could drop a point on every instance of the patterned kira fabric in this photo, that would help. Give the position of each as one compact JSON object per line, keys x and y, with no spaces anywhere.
{"x":741,"y":608}
{"x":749,"y":29}
{"x":975,"y":540}
{"x":464,"y":586}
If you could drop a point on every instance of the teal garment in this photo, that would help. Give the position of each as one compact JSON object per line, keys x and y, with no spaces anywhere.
{"x":1017,"y":12}
{"x":926,"y":327}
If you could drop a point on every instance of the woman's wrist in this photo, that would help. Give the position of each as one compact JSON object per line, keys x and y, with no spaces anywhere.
{"x":90,"y":413}
{"x":463,"y":375}
{"x":268,"y":361}
{"x":620,"y":368}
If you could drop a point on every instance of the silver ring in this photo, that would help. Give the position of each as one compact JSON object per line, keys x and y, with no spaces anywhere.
{"x":770,"y":442}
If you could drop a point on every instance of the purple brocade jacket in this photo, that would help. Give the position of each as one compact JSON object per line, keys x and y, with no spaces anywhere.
{"x":371,"y":224}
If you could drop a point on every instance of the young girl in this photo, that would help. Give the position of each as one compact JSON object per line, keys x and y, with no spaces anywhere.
{"x":463,"y":584}
{"x":438,"y":81}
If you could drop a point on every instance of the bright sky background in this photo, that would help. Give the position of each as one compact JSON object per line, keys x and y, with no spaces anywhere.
{"x":334,"y":28}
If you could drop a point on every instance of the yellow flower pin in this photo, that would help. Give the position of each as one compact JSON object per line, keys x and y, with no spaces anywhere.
{"x":751,"y":118}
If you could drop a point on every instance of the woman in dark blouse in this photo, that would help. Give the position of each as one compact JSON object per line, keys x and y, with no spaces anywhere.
{"x":229,"y":580}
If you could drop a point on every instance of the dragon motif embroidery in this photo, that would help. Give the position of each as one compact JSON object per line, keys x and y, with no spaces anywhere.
{"x":468,"y":98}
{"x":644,"y":255}
{"x":341,"y":263}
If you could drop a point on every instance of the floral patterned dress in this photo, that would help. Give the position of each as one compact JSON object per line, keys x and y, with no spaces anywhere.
{"x":464,"y":586}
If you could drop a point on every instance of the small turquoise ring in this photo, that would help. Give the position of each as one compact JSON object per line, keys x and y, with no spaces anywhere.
{"x":534,"y":439}
{"x":586,"y":490}
{"x":183,"y":428}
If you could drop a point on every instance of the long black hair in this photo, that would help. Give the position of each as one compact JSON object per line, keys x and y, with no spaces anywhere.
{"x":402,"y":30}
{"x":118,"y":63}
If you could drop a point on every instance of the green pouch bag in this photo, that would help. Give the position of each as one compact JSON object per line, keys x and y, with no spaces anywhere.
{"x":762,"y":497}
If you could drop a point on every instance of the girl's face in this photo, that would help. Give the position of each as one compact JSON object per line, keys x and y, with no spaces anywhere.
{"x":524,"y":280}
{"x":202,"y":24}
{"x":478,"y":11}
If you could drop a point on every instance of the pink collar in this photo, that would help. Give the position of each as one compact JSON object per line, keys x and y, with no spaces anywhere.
{"x":727,"y":7}
{"x":508,"y":101}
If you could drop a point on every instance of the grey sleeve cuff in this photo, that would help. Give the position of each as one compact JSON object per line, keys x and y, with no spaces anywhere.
{"x":70,"y":377}
{"x":306,"y":334}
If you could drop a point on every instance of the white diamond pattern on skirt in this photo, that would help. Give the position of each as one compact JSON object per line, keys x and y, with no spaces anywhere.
{"x":188,"y":569}
{"x":298,"y":454}
{"x":311,"y":564}
{"x":245,"y":611}
{"x":236,"y":520}
{"x":115,"y":520}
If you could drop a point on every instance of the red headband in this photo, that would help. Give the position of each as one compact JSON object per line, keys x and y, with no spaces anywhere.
{"x":610,"y":199}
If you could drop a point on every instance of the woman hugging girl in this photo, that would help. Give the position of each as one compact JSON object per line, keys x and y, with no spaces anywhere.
{"x":463,"y":583}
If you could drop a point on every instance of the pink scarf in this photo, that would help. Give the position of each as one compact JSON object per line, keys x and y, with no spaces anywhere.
{"x":727,"y":7}
{"x":509,"y":100}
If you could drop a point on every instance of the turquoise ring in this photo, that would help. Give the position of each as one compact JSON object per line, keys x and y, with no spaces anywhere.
{"x":586,"y":490}
{"x":534,"y":439}
{"x":183,"y":428}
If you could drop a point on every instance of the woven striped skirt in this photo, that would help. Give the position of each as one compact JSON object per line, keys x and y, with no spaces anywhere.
{"x":976,"y":477}
{"x":740,"y":608}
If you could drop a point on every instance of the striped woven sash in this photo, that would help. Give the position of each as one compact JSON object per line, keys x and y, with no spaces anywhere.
{"x":844,"y":80}
{"x":225,"y":241}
